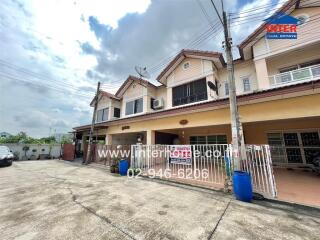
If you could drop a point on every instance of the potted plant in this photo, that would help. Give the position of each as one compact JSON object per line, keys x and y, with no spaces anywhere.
{"x":117,"y":165}
{"x":113,"y":166}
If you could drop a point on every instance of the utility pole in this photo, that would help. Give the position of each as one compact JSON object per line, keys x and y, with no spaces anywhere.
{"x":96,"y":98}
{"x":235,"y":121}
{"x":236,"y":128}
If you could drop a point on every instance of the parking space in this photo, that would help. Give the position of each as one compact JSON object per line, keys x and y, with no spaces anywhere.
{"x":61,"y":200}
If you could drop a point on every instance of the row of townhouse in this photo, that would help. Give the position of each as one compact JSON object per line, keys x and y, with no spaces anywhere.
{"x":278,"y":88}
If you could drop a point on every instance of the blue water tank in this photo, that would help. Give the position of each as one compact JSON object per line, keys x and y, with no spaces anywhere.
{"x":123,"y":167}
{"x":242,"y":186}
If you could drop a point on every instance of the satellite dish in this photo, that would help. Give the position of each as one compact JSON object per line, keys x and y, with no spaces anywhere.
{"x":213,"y":86}
{"x":142,"y":72}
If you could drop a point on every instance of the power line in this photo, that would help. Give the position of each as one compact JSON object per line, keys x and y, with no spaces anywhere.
{"x":216,"y":10}
{"x":205,"y":13}
{"x":203,"y":37}
{"x":193,"y":42}
{"x":61,"y":90}
{"x":262,"y":8}
{"x":200,"y":41}
{"x":306,"y":23}
{"x":254,"y":9}
{"x":36,"y":75}
{"x":196,"y":42}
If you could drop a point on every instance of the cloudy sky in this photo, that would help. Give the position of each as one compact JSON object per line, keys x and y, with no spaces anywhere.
{"x":53,"y":52}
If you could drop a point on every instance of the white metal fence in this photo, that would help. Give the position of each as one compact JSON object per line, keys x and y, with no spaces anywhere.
{"x":259,"y":164}
{"x":208,"y":164}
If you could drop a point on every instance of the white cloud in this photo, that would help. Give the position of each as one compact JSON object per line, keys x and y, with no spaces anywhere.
{"x":45,"y":37}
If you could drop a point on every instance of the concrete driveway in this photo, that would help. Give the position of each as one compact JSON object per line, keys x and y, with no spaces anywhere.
{"x":59,"y":200}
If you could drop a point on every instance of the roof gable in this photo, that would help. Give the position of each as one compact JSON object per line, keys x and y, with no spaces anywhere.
{"x":184,"y":53}
{"x":128,"y":82}
{"x":104,"y":94}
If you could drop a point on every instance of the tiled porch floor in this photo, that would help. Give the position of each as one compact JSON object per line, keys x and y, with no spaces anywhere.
{"x":298,"y":186}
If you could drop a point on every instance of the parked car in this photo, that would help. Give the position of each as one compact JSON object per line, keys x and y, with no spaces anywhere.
{"x":6,"y":156}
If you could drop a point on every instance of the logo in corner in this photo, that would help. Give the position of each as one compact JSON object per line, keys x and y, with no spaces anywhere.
{"x":281,"y":26}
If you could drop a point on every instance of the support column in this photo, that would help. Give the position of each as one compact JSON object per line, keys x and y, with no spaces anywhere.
{"x":108,"y":139}
{"x":83,"y":141}
{"x":151,"y":137}
{"x":169,"y":98}
{"x":262,"y":74}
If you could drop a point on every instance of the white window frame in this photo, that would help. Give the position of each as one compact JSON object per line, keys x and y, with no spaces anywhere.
{"x":103,"y":110}
{"x":226,"y":86}
{"x":243,"y":83}
{"x":133,"y":100}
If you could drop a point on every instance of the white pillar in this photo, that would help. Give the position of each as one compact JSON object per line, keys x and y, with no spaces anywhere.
{"x":108,"y":139}
{"x":151,"y":137}
{"x":262,"y":74}
{"x":169,"y":98}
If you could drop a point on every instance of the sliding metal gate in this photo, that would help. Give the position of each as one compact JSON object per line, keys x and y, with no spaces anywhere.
{"x":209,"y":164}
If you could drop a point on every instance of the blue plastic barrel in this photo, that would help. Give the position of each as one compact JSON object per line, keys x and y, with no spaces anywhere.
{"x":242,"y":186}
{"x":123,"y":167}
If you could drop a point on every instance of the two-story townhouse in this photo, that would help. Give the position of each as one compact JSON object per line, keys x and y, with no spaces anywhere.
{"x":278,"y":91}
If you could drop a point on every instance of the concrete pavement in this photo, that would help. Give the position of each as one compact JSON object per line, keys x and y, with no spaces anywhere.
{"x":58,"y":200}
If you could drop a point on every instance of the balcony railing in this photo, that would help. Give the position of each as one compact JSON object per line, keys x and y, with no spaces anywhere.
{"x":300,"y":75}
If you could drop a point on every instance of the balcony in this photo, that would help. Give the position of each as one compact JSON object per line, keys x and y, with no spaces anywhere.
{"x":299,"y":75}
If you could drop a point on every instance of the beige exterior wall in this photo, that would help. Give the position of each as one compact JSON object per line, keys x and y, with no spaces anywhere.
{"x":262,"y":73}
{"x":133,"y":92}
{"x":199,"y":68}
{"x":270,"y":55}
{"x":265,"y":111}
{"x":241,"y":70}
{"x":114,"y":104}
{"x":307,"y":33}
{"x":161,"y":93}
{"x":180,"y":75}
{"x":256,"y":133}
{"x":184,"y":135}
{"x":306,"y":54}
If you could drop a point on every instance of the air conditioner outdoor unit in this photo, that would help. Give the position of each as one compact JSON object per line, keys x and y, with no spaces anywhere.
{"x":158,"y":103}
